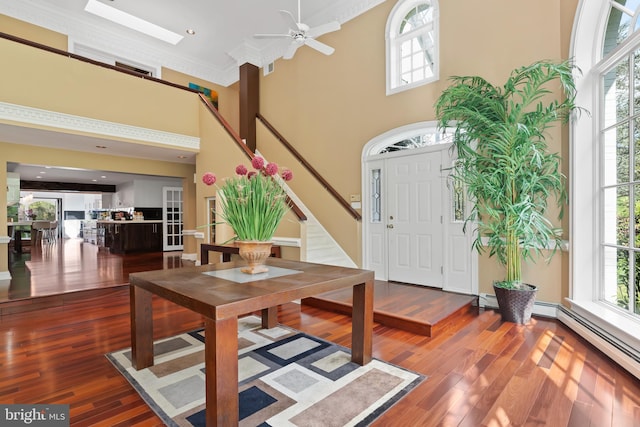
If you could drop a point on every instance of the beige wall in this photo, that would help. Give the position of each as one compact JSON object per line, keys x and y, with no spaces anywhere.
{"x":330,"y":107}
{"x":34,"y":33}
{"x":228,"y":97}
{"x":334,"y":105}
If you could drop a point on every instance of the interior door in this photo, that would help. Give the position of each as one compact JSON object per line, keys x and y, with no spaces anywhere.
{"x":172,"y":218}
{"x":413,"y":217}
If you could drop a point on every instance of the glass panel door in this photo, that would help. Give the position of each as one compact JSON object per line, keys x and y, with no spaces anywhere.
{"x":172,"y":218}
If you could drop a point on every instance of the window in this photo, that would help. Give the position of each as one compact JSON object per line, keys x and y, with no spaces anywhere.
{"x":412,"y":44}
{"x":605,"y":168}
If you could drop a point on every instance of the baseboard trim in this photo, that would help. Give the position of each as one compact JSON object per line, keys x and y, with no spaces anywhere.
{"x":601,"y":339}
{"x":540,"y":308}
{"x":190,"y":257}
{"x":592,"y":333}
{"x":5,"y":275}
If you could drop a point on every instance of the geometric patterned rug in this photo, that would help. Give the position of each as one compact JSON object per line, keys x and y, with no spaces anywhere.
{"x":286,"y":378}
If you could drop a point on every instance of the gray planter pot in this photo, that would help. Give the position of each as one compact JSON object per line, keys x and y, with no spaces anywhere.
{"x":516,"y":305}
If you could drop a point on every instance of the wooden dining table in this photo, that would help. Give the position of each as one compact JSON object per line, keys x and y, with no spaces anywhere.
{"x":221,"y":293}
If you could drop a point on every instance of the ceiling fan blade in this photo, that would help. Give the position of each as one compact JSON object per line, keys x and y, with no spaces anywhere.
{"x":271,"y":36}
{"x":324,"y":29}
{"x":291,"y":21}
{"x":319,"y":46}
{"x":291,"y":50}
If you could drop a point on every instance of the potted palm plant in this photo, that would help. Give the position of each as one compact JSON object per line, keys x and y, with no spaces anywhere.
{"x":504,"y":162}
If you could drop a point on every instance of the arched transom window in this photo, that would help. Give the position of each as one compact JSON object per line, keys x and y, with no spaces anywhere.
{"x":412,"y":44}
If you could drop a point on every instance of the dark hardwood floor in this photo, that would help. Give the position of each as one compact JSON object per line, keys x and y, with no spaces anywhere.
{"x":481,"y":371}
{"x":54,"y":274}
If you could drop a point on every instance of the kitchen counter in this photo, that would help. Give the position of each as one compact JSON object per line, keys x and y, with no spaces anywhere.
{"x":125,"y":236}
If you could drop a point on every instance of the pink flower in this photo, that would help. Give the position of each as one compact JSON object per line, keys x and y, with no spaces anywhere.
{"x":257,"y":162}
{"x":209,"y":178}
{"x":252,"y":174}
{"x":271,"y":169}
{"x":287,"y":175}
{"x":241,"y":170}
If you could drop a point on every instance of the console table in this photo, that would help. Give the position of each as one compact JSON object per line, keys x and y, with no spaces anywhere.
{"x":227,"y":250}
{"x":220,"y":293}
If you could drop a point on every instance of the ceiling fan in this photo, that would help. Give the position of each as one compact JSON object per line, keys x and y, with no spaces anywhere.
{"x":301,"y":34}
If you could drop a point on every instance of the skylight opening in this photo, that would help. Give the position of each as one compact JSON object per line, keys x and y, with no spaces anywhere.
{"x":112,"y":14}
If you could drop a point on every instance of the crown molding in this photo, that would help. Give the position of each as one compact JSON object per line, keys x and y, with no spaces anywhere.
{"x":82,"y":31}
{"x":31,"y":117}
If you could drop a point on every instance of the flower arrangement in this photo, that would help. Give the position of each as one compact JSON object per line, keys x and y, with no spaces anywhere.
{"x":253,"y":202}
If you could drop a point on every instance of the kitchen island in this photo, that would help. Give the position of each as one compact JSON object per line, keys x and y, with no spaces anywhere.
{"x":127,"y":236}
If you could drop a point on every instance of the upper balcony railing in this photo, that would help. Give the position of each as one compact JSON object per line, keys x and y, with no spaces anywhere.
{"x":231,"y":132}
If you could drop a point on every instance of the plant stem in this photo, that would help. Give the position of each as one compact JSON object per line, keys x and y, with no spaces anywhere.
{"x":514,"y":263}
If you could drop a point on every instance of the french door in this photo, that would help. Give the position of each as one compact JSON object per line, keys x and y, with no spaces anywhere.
{"x":172,"y":218}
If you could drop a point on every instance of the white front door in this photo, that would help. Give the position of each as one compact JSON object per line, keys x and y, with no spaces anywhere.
{"x":413,"y":217}
{"x":413,"y":213}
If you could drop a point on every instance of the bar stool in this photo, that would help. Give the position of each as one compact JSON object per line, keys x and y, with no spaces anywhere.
{"x":51,"y":233}
{"x":38,"y":230}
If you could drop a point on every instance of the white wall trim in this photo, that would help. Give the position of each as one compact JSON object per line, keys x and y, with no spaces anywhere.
{"x":5,"y":240}
{"x":51,"y":119}
{"x":189,"y":256}
{"x":601,"y":339}
{"x":293,"y":242}
{"x":5,"y":275}
{"x":540,"y":308}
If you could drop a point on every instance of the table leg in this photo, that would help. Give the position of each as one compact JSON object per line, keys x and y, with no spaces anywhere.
{"x":221,"y":371}
{"x":269,"y":317}
{"x":17,"y":239}
{"x":362,"y":323}
{"x":141,"y":327}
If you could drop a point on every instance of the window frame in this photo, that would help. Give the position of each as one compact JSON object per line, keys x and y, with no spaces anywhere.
{"x":586,"y":168}
{"x":393,"y":41}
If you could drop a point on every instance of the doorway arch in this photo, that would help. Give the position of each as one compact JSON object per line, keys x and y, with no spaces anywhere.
{"x":413,"y":214}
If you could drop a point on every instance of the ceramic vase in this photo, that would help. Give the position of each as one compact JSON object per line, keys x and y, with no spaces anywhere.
{"x":255,"y":253}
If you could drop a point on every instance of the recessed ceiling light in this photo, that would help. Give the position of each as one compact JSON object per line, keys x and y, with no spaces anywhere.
{"x":38,"y":177}
{"x":94,"y":180}
{"x":182,"y":157}
{"x":191,"y":31}
{"x":42,"y":172}
{"x":103,"y":177}
{"x":119,"y":17}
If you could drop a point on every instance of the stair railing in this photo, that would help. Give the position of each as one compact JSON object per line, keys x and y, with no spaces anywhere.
{"x":234,"y":135}
{"x":325,"y":184}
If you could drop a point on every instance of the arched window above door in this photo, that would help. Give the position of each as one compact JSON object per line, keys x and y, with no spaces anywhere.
{"x":412,"y":44}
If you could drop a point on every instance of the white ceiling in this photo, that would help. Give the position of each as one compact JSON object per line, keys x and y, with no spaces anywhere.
{"x":224,"y":29}
{"x":223,"y":41}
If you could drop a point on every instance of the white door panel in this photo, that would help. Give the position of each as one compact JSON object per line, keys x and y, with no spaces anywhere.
{"x":413,"y":219}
